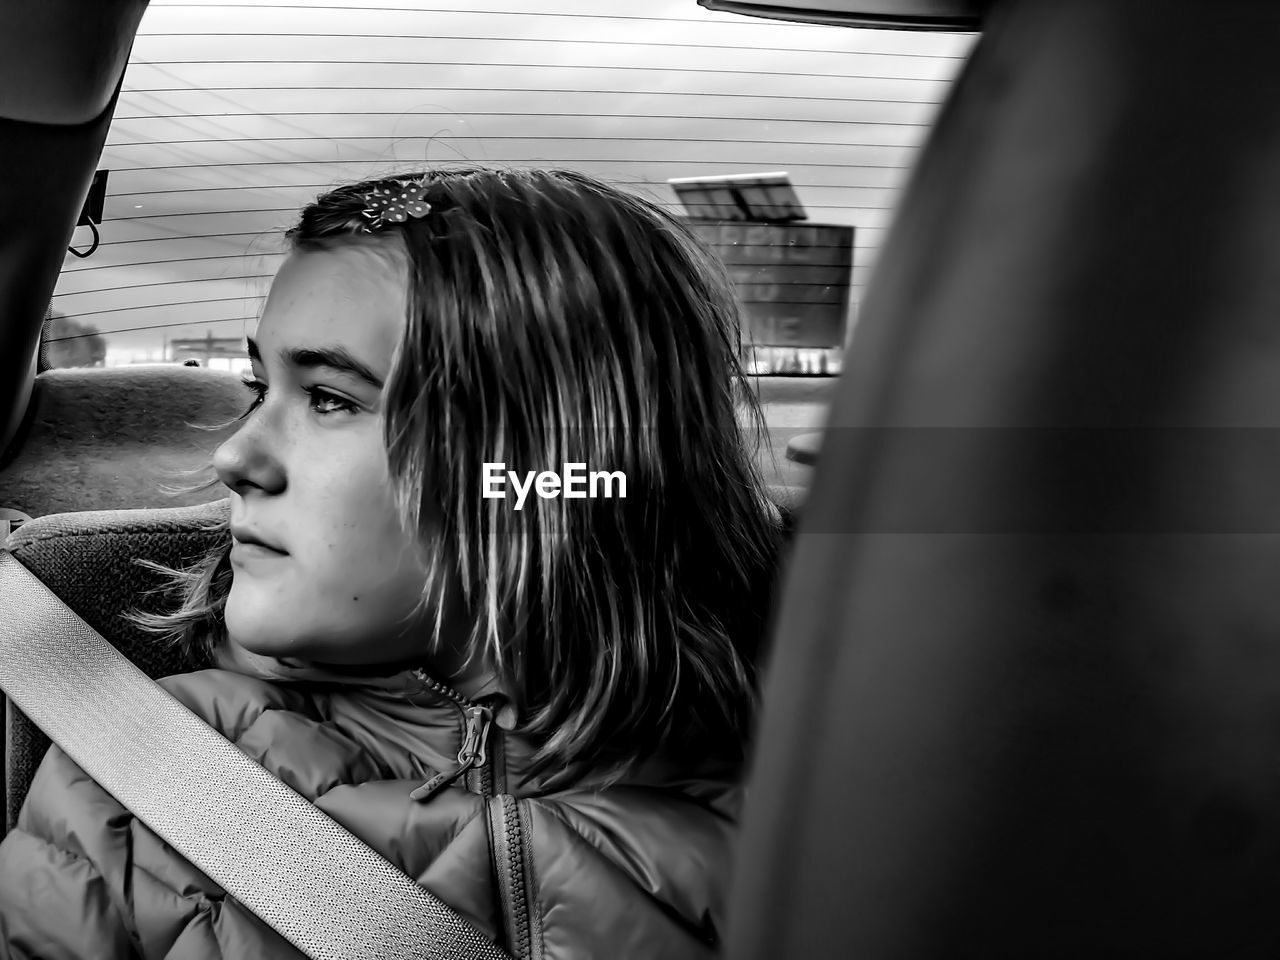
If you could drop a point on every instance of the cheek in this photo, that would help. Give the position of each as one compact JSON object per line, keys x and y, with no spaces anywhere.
{"x":372,"y":573}
{"x":349,"y":589}
{"x":354,"y":604}
{"x":357,"y":547}
{"x":355,"y":534}
{"x":369,"y":609}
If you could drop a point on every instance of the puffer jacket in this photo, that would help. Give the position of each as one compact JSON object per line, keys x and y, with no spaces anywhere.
{"x":637,"y":869}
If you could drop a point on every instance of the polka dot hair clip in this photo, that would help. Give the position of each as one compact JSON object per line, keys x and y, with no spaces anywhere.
{"x":395,"y":203}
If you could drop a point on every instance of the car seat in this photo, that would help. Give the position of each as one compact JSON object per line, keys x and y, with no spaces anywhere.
{"x":89,"y":560}
{"x":107,"y":439}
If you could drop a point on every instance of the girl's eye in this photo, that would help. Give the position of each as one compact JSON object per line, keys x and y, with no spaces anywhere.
{"x":259,"y":391}
{"x":322,"y":402}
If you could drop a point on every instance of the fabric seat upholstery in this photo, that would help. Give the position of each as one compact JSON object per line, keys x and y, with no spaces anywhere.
{"x":112,"y":438}
{"x":89,"y":560}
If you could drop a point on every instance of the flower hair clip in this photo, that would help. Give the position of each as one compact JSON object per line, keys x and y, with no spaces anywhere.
{"x":395,"y":204}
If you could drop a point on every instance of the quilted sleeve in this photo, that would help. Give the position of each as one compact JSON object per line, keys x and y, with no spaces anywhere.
{"x":81,"y":878}
{"x":56,"y":866}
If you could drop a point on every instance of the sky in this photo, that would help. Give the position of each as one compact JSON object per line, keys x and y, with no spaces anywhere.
{"x":234,"y":115}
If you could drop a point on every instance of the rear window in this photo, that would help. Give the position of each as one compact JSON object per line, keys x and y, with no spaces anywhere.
{"x":233,"y":115}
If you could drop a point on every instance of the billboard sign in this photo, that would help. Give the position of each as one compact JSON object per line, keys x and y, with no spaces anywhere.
{"x":792,"y":279}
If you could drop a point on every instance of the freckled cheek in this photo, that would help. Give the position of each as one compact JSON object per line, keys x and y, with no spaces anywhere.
{"x":365,"y":565}
{"x":353,"y":515}
{"x":358,"y":546}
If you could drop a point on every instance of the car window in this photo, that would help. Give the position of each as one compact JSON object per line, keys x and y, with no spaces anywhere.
{"x":233,"y":115}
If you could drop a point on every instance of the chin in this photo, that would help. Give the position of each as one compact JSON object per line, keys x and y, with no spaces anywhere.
{"x":257,"y":643}
{"x":271,"y":633}
{"x":258,"y":630}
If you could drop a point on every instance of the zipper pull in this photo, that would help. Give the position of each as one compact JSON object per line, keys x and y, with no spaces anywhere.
{"x":475,"y":744}
{"x":475,"y":750}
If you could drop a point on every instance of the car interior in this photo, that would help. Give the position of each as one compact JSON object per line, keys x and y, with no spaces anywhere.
{"x":1022,"y":692}
{"x":79,"y":513}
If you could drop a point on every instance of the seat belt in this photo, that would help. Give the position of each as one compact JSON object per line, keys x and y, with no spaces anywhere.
{"x":311,"y":880}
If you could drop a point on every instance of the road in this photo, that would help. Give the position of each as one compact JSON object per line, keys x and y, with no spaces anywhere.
{"x":792,"y":405}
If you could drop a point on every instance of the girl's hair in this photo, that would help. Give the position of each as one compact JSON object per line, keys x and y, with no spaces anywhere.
{"x":554,"y":319}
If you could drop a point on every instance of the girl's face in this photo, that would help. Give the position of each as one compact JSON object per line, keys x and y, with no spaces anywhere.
{"x":322,"y":570}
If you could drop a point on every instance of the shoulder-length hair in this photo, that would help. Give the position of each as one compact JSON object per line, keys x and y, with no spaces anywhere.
{"x":554,"y":319}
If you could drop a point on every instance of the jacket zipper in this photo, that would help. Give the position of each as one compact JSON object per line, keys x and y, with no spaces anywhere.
{"x":513,"y":857}
{"x":517,"y":883}
{"x":473,"y":758}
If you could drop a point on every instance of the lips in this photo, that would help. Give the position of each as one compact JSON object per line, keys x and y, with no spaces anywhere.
{"x":247,"y":537}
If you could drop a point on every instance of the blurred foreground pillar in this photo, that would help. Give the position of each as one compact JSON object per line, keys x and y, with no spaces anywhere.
{"x":1027,"y":700}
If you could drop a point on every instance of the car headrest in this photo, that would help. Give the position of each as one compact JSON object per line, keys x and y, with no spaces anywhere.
{"x":109,"y":439}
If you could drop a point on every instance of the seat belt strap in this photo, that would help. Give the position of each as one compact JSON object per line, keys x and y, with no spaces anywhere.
{"x":310,"y":879}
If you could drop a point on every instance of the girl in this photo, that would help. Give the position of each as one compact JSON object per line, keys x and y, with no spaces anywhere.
{"x":431,"y":663}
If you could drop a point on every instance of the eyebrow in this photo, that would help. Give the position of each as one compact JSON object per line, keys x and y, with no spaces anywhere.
{"x":335,"y":358}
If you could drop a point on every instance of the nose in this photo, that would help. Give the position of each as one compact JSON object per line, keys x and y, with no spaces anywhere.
{"x":249,"y":458}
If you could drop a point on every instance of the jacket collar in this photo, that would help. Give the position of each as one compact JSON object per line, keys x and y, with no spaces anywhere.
{"x":414,"y":686}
